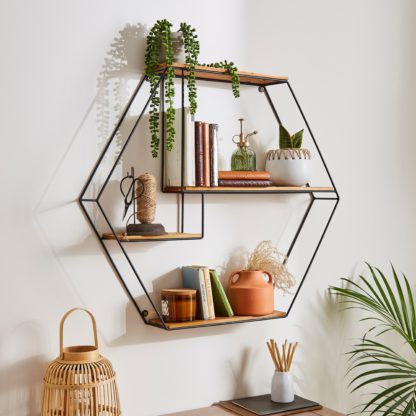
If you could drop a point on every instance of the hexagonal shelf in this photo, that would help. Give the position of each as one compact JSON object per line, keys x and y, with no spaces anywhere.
{"x":91,"y":195}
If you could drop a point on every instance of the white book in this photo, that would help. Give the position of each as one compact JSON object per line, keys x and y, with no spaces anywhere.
{"x":204,"y":298}
{"x":173,"y":159}
{"x":210,"y":298}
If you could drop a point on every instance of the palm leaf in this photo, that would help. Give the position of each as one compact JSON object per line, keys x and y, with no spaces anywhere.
{"x":392,"y":308}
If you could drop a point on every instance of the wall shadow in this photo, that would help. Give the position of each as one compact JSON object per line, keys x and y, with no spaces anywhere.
{"x":21,"y":381}
{"x":122,"y":62}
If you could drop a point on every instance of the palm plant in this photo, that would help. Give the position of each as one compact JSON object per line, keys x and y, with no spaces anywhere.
{"x":391,"y":308}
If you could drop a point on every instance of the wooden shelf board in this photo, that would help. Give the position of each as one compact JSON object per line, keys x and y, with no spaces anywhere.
{"x":221,"y":320}
{"x":219,"y":74}
{"x":249,"y":189}
{"x":165,"y":237}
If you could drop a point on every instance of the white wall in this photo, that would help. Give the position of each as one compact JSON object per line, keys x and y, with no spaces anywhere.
{"x":351,"y":64}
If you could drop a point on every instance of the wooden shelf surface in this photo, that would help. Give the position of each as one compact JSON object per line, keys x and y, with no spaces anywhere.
{"x":221,"y":320}
{"x":249,"y":189}
{"x":226,"y":408}
{"x":219,"y":74}
{"x":166,"y":237}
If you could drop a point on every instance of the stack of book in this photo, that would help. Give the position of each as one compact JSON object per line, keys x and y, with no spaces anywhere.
{"x":211,"y":298}
{"x":206,"y":154}
{"x":200,"y":155}
{"x":264,"y":406}
{"x":244,"y":178}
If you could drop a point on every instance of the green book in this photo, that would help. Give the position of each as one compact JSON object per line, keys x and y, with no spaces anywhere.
{"x":221,"y":304}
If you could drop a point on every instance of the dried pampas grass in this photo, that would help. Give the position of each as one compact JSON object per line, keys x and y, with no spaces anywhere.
{"x":268,"y":258}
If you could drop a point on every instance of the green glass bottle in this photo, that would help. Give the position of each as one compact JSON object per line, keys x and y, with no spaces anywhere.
{"x":244,"y":157}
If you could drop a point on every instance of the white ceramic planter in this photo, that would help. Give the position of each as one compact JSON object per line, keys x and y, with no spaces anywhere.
{"x":282,"y":387}
{"x":178,"y":49}
{"x":289,"y":167}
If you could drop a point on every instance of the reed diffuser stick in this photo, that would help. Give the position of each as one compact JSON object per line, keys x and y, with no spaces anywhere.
{"x":293,"y":352}
{"x":276,"y":348}
{"x":276,"y":364}
{"x":283,"y":359}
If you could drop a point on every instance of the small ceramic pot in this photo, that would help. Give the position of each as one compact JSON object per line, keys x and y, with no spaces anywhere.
{"x":250,"y":294}
{"x":282,"y":387}
{"x":178,"y":49}
{"x":289,"y":167}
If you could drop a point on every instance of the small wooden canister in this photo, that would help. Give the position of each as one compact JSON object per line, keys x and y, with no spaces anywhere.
{"x":178,"y":305}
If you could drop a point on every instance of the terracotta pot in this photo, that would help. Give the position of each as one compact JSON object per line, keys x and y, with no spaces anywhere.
{"x":249,"y":294}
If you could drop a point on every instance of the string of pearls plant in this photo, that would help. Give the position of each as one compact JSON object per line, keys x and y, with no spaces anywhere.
{"x":160,"y":37}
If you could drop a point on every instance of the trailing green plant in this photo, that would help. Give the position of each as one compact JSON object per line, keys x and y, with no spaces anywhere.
{"x":287,"y":141}
{"x":191,"y":44}
{"x":392,"y":309}
{"x":233,"y":71}
{"x":160,"y":37}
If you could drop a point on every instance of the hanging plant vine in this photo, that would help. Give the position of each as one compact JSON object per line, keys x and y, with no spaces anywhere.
{"x":191,"y":45}
{"x":233,"y":71}
{"x":159,"y":36}
{"x":158,"y":39}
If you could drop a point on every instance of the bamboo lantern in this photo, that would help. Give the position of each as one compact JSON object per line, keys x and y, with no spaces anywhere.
{"x":80,"y":382}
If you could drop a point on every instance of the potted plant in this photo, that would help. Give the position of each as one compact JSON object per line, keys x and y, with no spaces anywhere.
{"x":390,"y":308}
{"x":290,"y":164}
{"x":170,"y":47}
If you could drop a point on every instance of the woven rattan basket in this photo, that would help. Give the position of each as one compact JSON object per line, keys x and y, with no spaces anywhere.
{"x":80,"y":382}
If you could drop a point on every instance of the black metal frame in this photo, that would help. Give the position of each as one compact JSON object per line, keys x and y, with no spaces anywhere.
{"x":182,"y":191}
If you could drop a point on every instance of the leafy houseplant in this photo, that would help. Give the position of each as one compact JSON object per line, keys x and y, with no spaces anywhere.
{"x":287,"y":141}
{"x":392,"y":309}
{"x":158,"y":39}
{"x":290,"y":164}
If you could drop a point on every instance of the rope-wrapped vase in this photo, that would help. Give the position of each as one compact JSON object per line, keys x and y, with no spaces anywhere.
{"x":80,"y":382}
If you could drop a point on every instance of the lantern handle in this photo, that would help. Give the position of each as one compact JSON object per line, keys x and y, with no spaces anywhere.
{"x":61,"y":328}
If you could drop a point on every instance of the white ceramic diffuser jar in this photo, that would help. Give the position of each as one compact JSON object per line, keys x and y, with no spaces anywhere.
{"x":289,"y":167}
{"x":282,"y":387}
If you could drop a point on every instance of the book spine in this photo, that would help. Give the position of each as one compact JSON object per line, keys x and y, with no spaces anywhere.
{"x":206,"y":155}
{"x":173,"y":157}
{"x":213,"y":143}
{"x":248,"y":183}
{"x":199,"y":151}
{"x":241,"y":174}
{"x":189,"y":179}
{"x":210,"y":299}
{"x":203,"y":290}
{"x":221,"y":303}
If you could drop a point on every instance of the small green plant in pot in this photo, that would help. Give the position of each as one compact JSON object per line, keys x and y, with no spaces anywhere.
{"x":390,"y":307}
{"x":290,"y":164}
{"x":163,"y":44}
